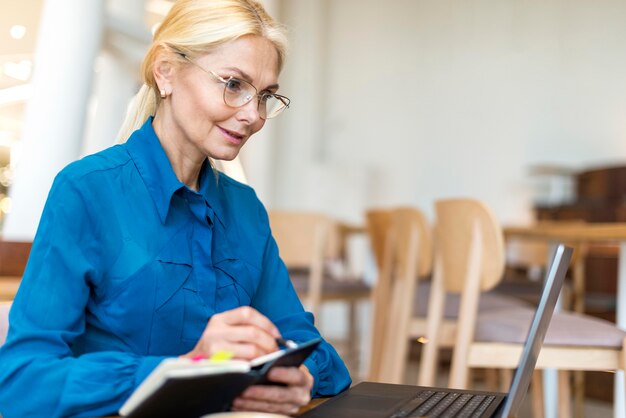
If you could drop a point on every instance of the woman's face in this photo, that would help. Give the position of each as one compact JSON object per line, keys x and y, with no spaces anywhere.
{"x":195,"y":115}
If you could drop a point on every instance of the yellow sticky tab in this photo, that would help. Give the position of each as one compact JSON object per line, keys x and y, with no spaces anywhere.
{"x":221,"y":356}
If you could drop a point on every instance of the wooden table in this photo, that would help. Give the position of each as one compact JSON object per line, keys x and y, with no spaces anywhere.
{"x":585,"y":233}
{"x":8,"y":287}
{"x":314,"y":402}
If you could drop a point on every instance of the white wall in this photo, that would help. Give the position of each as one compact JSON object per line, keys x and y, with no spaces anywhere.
{"x":434,"y":98}
{"x":407,"y":101}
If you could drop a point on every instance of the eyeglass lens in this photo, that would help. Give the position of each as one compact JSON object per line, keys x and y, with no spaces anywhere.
{"x":239,"y":92}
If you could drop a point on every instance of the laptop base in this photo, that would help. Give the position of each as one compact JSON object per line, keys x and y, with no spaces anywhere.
{"x":376,"y":400}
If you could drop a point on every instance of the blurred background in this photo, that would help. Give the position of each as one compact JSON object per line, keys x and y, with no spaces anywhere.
{"x":394,"y":102}
{"x":519,"y":104}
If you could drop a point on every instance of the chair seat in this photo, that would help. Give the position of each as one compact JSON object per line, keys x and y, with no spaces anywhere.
{"x":488,"y":301}
{"x":332,"y":287}
{"x":566,"y":329}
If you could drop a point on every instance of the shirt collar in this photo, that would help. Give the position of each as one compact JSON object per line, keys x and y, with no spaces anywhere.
{"x":209,"y":189}
{"x":158,"y":175}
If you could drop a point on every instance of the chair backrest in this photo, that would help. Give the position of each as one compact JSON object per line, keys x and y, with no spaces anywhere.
{"x":467,"y":228}
{"x":5,"y":307}
{"x":13,"y":257}
{"x":378,"y":225}
{"x":299,"y":235}
{"x":405,"y":221}
{"x":401,"y":242}
{"x":469,"y":258}
{"x":305,"y":241}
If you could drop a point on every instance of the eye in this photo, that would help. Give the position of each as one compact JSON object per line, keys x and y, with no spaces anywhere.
{"x":266,"y":97}
{"x":233,"y":85}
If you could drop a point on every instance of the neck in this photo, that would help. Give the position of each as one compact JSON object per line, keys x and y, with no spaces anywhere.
{"x":186,"y":163}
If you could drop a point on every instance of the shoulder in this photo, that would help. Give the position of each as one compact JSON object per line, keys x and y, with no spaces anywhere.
{"x":233,"y":185}
{"x":97,"y":165}
{"x":242,"y":200}
{"x":230,"y":185}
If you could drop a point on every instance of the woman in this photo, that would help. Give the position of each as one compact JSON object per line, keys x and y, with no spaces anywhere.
{"x":145,"y":252}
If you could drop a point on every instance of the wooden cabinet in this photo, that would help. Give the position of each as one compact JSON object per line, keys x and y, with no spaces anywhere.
{"x":600,"y":197}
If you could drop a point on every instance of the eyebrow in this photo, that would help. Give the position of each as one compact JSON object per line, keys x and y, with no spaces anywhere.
{"x":246,"y":77}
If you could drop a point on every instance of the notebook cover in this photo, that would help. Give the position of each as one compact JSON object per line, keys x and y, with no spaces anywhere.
{"x":193,"y":396}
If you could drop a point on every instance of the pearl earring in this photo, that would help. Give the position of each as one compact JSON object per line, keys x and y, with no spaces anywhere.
{"x":163,"y":94}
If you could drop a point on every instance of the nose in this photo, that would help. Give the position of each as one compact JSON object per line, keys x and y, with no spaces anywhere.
{"x":250,"y":111}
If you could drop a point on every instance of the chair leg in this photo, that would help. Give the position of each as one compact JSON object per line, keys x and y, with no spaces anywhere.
{"x":579,"y":394}
{"x":537,"y":392}
{"x":623,"y":368}
{"x":565,"y":394}
{"x":353,"y":334}
{"x":506,"y":377}
{"x":491,"y":379}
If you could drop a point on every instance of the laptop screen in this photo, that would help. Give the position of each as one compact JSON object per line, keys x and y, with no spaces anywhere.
{"x":555,"y":276}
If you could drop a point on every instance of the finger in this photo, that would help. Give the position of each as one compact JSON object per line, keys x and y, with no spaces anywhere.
{"x":245,"y":315}
{"x":242,"y":341}
{"x":249,"y":334}
{"x":291,"y":376}
{"x":295,"y":395}
{"x":291,"y":397}
{"x":239,"y":351}
{"x":241,"y":404}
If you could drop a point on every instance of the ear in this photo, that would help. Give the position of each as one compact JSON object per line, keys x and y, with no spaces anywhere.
{"x":163,"y":72}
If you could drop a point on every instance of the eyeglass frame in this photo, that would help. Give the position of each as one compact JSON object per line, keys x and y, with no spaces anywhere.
{"x":284,"y":99}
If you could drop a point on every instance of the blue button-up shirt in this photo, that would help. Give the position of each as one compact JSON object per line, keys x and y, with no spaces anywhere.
{"x":127,"y":267}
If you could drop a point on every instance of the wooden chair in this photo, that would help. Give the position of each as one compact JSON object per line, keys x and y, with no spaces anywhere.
{"x":469,"y":260}
{"x":401,"y":243}
{"x":13,"y":259}
{"x":312,"y":246}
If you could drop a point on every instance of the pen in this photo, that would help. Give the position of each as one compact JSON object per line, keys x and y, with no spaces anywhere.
{"x":285,"y":343}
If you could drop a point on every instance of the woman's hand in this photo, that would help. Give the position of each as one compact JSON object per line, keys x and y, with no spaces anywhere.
{"x":278,"y":399}
{"x":243,"y":332}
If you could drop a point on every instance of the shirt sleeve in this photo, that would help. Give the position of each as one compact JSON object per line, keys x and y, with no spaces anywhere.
{"x":277,"y":299}
{"x":39,"y":374}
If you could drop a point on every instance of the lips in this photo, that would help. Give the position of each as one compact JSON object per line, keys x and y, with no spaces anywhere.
{"x":233,"y":136}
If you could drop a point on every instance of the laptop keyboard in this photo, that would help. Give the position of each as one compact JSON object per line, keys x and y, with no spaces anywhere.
{"x":445,"y":404}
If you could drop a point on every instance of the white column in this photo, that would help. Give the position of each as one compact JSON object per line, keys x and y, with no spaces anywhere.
{"x":117,"y":73}
{"x":68,"y":41}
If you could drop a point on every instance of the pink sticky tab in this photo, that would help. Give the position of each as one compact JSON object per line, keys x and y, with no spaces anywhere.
{"x":198,"y":357}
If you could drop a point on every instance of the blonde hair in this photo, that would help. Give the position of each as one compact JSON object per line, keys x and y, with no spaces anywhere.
{"x":194,"y":28}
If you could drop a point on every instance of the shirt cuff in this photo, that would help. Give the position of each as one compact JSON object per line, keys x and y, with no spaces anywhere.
{"x":312,"y":366}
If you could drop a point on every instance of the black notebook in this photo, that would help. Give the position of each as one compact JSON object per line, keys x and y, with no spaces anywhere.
{"x":184,"y":388}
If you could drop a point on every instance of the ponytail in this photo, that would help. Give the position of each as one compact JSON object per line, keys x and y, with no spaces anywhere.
{"x":141,"y":106}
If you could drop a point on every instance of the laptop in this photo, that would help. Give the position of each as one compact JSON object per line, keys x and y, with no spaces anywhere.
{"x":381,"y":400}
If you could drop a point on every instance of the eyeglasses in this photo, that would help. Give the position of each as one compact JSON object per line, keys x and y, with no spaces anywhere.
{"x":239,"y":92}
